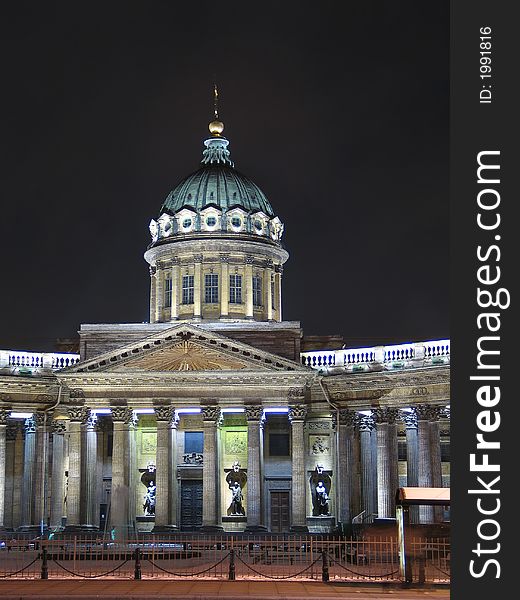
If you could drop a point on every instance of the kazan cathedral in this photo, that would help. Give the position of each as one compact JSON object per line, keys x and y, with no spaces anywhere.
{"x":218,"y":415}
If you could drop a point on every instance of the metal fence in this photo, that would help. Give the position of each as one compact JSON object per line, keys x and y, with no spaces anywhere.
{"x":222,"y":557}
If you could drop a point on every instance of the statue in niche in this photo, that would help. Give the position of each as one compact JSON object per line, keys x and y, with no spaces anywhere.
{"x":149,"y":500}
{"x":236,"y":480}
{"x":148,"y":478}
{"x":320,"y":482}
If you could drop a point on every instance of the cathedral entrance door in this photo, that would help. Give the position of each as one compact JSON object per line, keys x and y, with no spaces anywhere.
{"x":191,"y":504}
{"x":279,"y":512}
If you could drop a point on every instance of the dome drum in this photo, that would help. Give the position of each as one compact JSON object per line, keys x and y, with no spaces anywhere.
{"x":216,"y":251}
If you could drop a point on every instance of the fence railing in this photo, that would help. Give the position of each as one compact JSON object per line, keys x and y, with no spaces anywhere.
{"x":378,"y":358}
{"x":225,"y":557}
{"x":21,"y":362}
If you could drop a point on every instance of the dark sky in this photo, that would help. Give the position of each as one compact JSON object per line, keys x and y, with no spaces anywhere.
{"x":337,"y":110}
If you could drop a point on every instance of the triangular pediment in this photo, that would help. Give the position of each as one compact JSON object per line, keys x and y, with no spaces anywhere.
{"x":185,"y":348}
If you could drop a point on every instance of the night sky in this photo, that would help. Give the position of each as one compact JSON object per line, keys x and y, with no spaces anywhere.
{"x":337,"y":110}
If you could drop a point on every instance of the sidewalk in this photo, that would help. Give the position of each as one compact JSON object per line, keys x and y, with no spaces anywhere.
{"x":208,"y":590}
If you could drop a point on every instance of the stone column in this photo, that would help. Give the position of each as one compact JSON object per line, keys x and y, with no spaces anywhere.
{"x":164,"y":415}
{"x":345,"y":464}
{"x":268,"y":297}
{"x":41,"y":459}
{"x":175,"y":289}
{"x":356,"y":471}
{"x":387,"y":463}
{"x":197,"y":287}
{"x":58,"y":428}
{"x":248,"y":272}
{"x":422,"y":411}
{"x":89,"y":474}
{"x":278,"y":289}
{"x":174,"y":488}
{"x":210,"y":484}
{"x":254,"y":416}
{"x":224,"y":286}
{"x":118,"y":515}
{"x":435,"y":453}
{"x":4,"y":414}
{"x":18,"y":475}
{"x":297,"y":414}
{"x":366,"y":425}
{"x":159,"y":293}
{"x":28,"y":474}
{"x":412,"y":458}
{"x":130,"y":471}
{"x":153,"y":294}
{"x":103,"y":426}
{"x":10,"y":449}
{"x":77,"y":415}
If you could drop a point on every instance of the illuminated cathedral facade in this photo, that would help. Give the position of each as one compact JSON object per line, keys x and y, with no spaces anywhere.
{"x":218,"y":415}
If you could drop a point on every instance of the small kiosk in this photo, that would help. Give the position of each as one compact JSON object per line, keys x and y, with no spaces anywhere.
{"x":413,"y":496}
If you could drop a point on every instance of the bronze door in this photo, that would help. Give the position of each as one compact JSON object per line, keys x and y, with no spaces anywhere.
{"x":279,"y":512}
{"x":191,"y":504}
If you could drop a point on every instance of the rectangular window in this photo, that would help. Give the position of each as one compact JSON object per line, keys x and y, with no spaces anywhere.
{"x":193,"y":441}
{"x":257,"y":291}
{"x":167,"y":293}
{"x":272,"y":292}
{"x":211,"y":289}
{"x":187,"y":289}
{"x":235,"y":289}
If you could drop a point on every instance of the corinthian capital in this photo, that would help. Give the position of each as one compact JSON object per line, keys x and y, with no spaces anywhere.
{"x":254,"y":413}
{"x":385,"y":415}
{"x":211,"y":413}
{"x":297,"y":412}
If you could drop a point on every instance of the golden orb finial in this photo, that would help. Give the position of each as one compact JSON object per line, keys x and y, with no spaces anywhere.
{"x":216,"y":127}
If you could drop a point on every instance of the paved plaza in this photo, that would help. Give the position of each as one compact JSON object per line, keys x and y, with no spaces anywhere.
{"x":210,"y":590}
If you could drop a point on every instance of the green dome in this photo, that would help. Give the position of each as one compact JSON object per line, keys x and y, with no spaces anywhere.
{"x":217,"y":183}
{"x":220,"y":186}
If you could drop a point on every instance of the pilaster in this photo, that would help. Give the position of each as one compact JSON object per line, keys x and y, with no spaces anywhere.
{"x":297,"y":414}
{"x":254,"y":416}
{"x":210,"y":487}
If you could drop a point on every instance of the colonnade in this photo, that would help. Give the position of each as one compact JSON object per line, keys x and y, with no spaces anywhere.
{"x":52,"y":469}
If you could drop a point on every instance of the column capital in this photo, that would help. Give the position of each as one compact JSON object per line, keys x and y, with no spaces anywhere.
{"x":90,"y":419}
{"x":297,"y":412}
{"x":211,"y":413}
{"x":254,"y":413}
{"x":446,"y":411}
{"x":385,"y":415}
{"x":77,"y":413}
{"x":409,"y":418}
{"x":347,"y":417}
{"x":121,"y":414}
{"x":269,"y":263}
{"x":198,"y":258}
{"x":153,"y":271}
{"x":224,"y":258}
{"x":176,"y":261}
{"x":426,"y":412}
{"x":4,"y":415}
{"x":165,"y":413}
{"x":365,"y":422}
{"x":58,"y":426}
{"x":30,"y":425}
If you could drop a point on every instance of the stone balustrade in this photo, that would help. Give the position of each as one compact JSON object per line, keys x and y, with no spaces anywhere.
{"x":379,"y":358}
{"x":19,"y":362}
